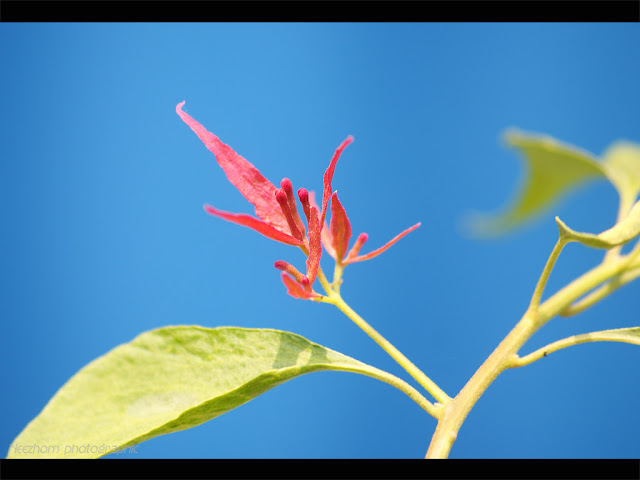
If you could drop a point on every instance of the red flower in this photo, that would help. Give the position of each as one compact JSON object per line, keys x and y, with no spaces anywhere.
{"x":277,"y":213}
{"x":272,"y":221}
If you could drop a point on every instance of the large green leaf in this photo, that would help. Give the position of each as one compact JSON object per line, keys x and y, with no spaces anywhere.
{"x":171,"y":379}
{"x":553,"y":169}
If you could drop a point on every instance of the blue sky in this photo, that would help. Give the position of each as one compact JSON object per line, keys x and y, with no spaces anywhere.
{"x":104,"y":235}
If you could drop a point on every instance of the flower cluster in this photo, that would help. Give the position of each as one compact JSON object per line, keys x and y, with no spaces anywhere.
{"x":278,"y":218}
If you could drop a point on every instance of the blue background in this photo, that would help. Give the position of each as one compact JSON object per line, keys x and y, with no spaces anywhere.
{"x":104,"y":235}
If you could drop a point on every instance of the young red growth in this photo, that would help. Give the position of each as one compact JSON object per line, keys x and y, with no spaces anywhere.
{"x":328,"y":176}
{"x":286,"y":185}
{"x":295,"y":290}
{"x":249,"y":182}
{"x":315,"y":245}
{"x":377,"y":252}
{"x":315,"y":241}
{"x":303,"y":195}
{"x":293,"y":271}
{"x":340,"y":228}
{"x":257,"y":225}
{"x":281,"y":198}
{"x":327,"y":241}
{"x":325,"y":235}
{"x":278,"y":217}
{"x":357,"y":246}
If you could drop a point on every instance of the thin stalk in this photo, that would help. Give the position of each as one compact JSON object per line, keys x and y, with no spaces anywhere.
{"x":324,"y":282}
{"x":601,"y":292}
{"x":542,"y":282}
{"x":567,"y":342}
{"x":403,"y":361}
{"x":579,"y":287}
{"x":404,"y":387}
{"x":337,"y":277}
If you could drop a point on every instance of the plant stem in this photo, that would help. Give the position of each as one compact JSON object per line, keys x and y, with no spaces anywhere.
{"x":605,"y":336}
{"x":600,"y":293}
{"x":457,"y":410}
{"x":404,"y":362}
{"x":542,"y":282}
{"x":323,"y":281}
{"x":505,"y":355}
{"x":404,"y":387}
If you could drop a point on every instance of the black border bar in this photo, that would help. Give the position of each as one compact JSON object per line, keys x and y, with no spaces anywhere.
{"x":320,"y":11}
{"x":321,"y":469}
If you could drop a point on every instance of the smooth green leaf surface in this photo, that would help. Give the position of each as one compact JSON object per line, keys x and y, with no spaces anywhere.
{"x":553,"y":169}
{"x":167,"y":380}
{"x":625,"y":230}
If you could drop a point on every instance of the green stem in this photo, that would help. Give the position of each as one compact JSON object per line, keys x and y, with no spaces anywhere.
{"x":579,"y":287}
{"x":457,"y":410}
{"x":605,"y":336}
{"x":542,"y":282}
{"x":601,"y":292}
{"x":404,"y":387}
{"x":324,"y":282}
{"x":505,"y":354}
{"x":404,"y":362}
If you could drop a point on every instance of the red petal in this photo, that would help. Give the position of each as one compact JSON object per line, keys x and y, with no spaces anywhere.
{"x":328,"y":176}
{"x":327,"y":241}
{"x":377,"y":252}
{"x":242,"y":174}
{"x":295,"y":290}
{"x":285,"y":184}
{"x":258,"y":225}
{"x":281,"y":198}
{"x":356,"y":247}
{"x":325,"y":235}
{"x":303,"y":195}
{"x":340,"y":227}
{"x":293,"y":271}
{"x":315,"y":245}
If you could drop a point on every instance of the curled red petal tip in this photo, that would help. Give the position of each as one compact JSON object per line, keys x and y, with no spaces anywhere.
{"x":286,"y":185}
{"x":303,"y":195}
{"x":281,"y":196}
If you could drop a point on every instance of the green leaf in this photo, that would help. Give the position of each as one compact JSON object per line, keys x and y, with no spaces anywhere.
{"x":171,"y":379}
{"x":623,"y":231}
{"x":622,"y":162}
{"x":554,"y":168}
